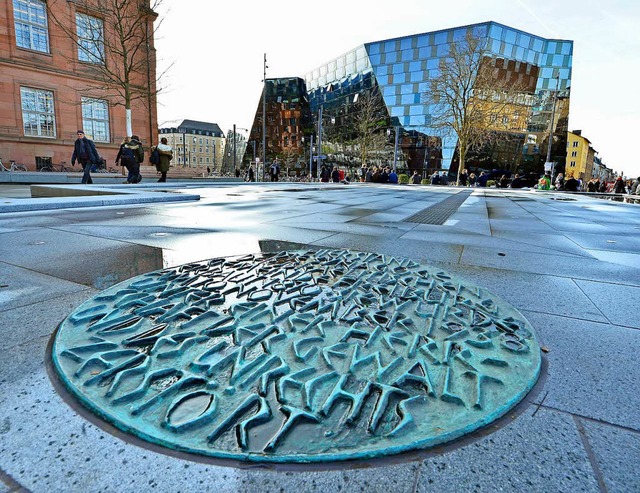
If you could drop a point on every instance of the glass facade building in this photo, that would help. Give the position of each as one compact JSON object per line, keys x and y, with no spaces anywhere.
{"x":399,"y":70}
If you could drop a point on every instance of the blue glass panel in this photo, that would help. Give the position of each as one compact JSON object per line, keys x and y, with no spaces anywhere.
{"x":537,"y":44}
{"x":406,"y":89}
{"x":389,"y":90}
{"x":546,"y":72}
{"x":510,"y":37}
{"x":565,"y":73}
{"x":524,"y":40}
{"x":407,"y":55}
{"x":566,"y":49}
{"x":417,"y":76}
{"x":557,"y":60}
{"x":441,"y":38}
{"x":415,"y":66}
{"x":382,"y":70}
{"x":423,"y":41}
{"x":530,"y":56}
{"x":375,"y":59}
{"x":405,"y":44}
{"x":423,"y":87}
{"x":398,"y":68}
{"x":495,"y":32}
{"x":392,"y":57}
{"x":416,"y":109}
{"x":389,"y":46}
{"x":374,"y":48}
{"x":551,"y":47}
{"x":397,"y":111}
{"x":519,"y":53}
{"x":495,"y":46}
{"x":432,"y":63}
{"x":399,"y":78}
{"x":416,"y":120}
{"x":424,"y":52}
{"x":459,"y":34}
{"x":567,"y":61}
{"x":443,"y":50}
{"x":407,"y":99}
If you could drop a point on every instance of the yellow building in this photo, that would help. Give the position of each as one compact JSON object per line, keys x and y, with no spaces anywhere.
{"x":580,"y":156}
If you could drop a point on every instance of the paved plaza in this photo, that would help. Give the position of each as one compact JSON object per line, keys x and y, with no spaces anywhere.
{"x":570,"y":264}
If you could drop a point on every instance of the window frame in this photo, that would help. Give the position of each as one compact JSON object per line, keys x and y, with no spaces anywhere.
{"x":88,"y":123}
{"x":38,"y":112}
{"x":32,"y":25}
{"x":84,"y":53}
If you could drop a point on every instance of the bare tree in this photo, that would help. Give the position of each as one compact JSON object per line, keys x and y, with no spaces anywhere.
{"x":115,"y":38}
{"x":475,"y":98}
{"x":369,"y":124}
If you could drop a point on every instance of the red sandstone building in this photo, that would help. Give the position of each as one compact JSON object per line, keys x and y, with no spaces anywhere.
{"x":49,"y":57}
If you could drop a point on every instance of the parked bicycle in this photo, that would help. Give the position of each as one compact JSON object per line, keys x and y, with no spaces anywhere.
{"x":13,"y":167}
{"x":58,"y":168}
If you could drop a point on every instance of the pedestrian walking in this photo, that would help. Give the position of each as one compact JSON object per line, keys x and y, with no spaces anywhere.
{"x":84,"y":151}
{"x":131,"y":155}
{"x":164,"y":156}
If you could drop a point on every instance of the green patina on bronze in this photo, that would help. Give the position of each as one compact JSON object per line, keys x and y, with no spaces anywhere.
{"x":297,"y":356}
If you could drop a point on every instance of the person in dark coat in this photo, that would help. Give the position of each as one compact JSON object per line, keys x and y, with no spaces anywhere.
{"x":618,"y":186}
{"x":416,"y":179}
{"x":571,"y":184}
{"x":84,"y":150}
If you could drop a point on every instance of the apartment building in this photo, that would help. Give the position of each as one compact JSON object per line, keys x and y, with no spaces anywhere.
{"x":196,"y":144}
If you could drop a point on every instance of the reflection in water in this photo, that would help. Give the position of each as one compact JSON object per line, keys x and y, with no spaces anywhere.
{"x":124,"y":264}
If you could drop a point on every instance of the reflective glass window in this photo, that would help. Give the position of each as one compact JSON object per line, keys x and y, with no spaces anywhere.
{"x":389,"y":46}
{"x":416,"y":109}
{"x":495,"y":46}
{"x":495,"y":32}
{"x":398,"y":68}
{"x":440,"y":38}
{"x":95,"y":119}
{"x":530,"y":56}
{"x":400,"y":78}
{"x":417,"y":76}
{"x":375,"y":59}
{"x":340,"y":63}
{"x":90,"y":31}
{"x":351,"y":57}
{"x":361,"y":64}
{"x":537,"y":44}
{"x":546,"y":72}
{"x":566,"y":49}
{"x":557,"y":60}
{"x":567,"y":61}
{"x":415,"y":66}
{"x":392,"y":57}
{"x":459,"y":34}
{"x":510,"y":36}
{"x":382,"y":70}
{"x":374,"y":48}
{"x":433,"y":63}
{"x":551,"y":47}
{"x":406,"y":89}
{"x":519,"y":53}
{"x":524,"y":40}
{"x":415,"y":120}
{"x":423,"y":87}
{"x":30,"y":21}
{"x":405,"y":44}
{"x":443,"y":50}
{"x":407,"y":55}
{"x":407,"y":99}
{"x":38,"y":117}
{"x":424,"y":52}
{"x":389,"y":91}
{"x":323,"y":70}
{"x":423,"y":40}
{"x":397,"y":111}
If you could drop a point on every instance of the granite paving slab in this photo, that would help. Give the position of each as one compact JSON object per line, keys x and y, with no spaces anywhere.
{"x":540,"y":451}
{"x":617,"y":454}
{"x":619,"y":303}
{"x":592,"y":370}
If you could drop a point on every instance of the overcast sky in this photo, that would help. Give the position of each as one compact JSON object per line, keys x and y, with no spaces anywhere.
{"x":216,"y":49}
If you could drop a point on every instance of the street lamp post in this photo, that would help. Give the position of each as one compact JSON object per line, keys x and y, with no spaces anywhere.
{"x":264,"y":116}
{"x":549,"y":164}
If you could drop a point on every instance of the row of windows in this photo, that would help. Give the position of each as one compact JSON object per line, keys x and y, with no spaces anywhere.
{"x":30,"y":17}
{"x":39,"y":118}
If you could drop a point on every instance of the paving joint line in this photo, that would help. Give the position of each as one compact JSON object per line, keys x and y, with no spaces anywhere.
{"x":590,"y":455}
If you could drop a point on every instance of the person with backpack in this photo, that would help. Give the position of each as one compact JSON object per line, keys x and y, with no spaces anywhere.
{"x":161,"y":156}
{"x":131,"y":155}
{"x":84,"y":150}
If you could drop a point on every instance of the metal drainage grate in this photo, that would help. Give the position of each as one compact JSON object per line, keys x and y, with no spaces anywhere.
{"x":438,"y":213}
